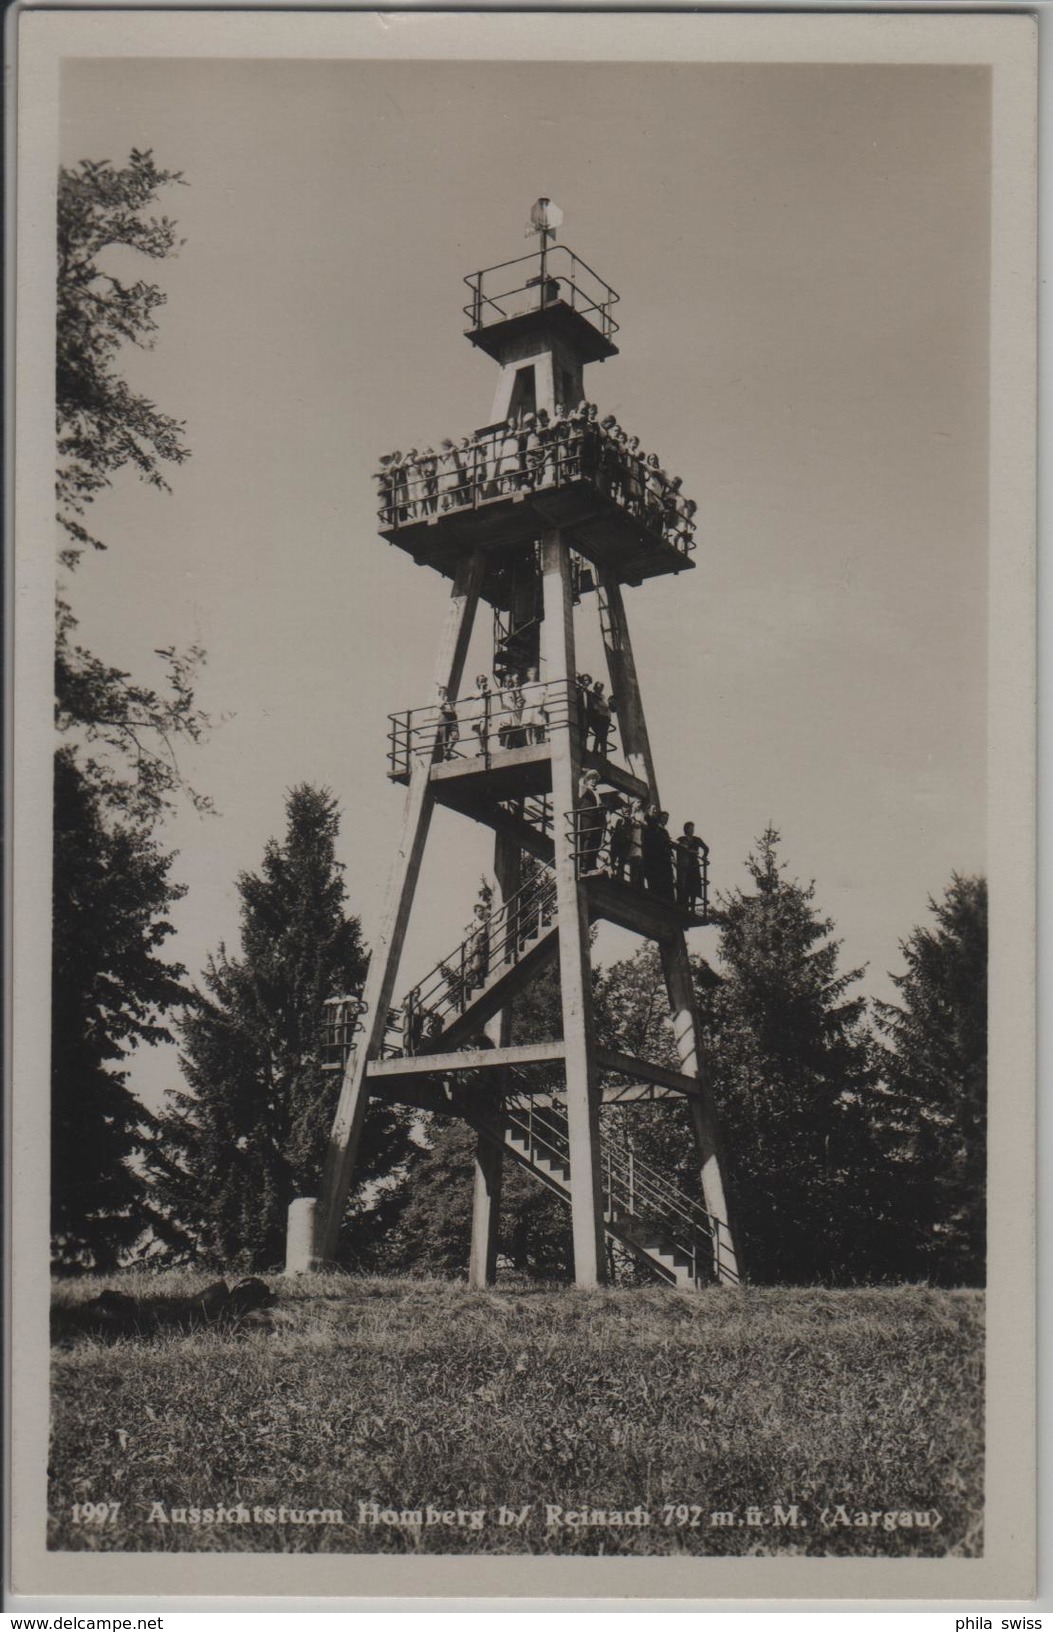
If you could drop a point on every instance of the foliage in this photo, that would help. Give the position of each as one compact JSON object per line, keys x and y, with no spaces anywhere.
{"x":248,"y":1133}
{"x":102,"y":423}
{"x":102,"y":426}
{"x":935,"y":1073}
{"x":115,"y":771}
{"x":434,"y":1228}
{"x":787,"y":1049}
{"x":130,"y":731}
{"x":632,"y":1016}
{"x":414,"y":1392}
{"x":110,"y":984}
{"x":844,"y":1162}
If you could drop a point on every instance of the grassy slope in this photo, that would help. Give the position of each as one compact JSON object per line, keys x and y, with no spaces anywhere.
{"x":414,"y":1392}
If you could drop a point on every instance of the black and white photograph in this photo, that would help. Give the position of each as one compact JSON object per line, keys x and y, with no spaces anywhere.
{"x":520,"y":705}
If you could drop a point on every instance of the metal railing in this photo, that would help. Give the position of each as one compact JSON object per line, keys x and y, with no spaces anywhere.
{"x":535,"y":809}
{"x":341,"y":1023}
{"x":489,"y":722}
{"x":632,"y":1190}
{"x":531,"y":282}
{"x":515,"y":459}
{"x":615,"y":839}
{"x":496,"y":941}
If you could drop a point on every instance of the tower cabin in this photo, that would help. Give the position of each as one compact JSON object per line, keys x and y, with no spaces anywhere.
{"x":548,"y":503}
{"x":542,"y":318}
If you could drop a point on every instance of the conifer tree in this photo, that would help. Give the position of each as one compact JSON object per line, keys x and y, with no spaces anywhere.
{"x":787,"y":1049}
{"x":110,"y":987}
{"x":935,"y":1074}
{"x":248,"y":1132}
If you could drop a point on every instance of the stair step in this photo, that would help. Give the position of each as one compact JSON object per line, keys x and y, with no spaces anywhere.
{"x":641,"y":1236}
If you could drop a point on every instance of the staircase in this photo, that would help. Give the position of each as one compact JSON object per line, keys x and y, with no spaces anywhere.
{"x":642,"y":1211}
{"x":496,"y":958}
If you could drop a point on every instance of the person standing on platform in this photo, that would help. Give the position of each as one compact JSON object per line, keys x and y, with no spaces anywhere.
{"x":658,"y":854}
{"x":429,"y":470}
{"x":478,"y":960}
{"x":535,"y":715}
{"x":634,"y":855}
{"x":671,"y":502}
{"x":481,"y":716}
{"x":591,"y":821}
{"x":619,"y":835}
{"x":412,"y":1022}
{"x":449,"y":728}
{"x":399,"y":473}
{"x":385,"y":477}
{"x":510,"y":463}
{"x":634,"y":486}
{"x":691,"y":853}
{"x":668,"y":854}
{"x":599,"y":717}
{"x":584,"y":684}
{"x":655,"y":481}
{"x":413,"y":484}
{"x":538,"y":454}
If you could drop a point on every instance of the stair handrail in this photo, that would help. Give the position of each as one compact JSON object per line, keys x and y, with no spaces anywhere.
{"x":633,"y":1178}
{"x":530,"y":1122}
{"x":533,"y":808}
{"x":650,"y":1196}
{"x":661,"y":1202}
{"x":496,"y":941}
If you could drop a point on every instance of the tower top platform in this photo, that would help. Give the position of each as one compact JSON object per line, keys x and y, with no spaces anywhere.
{"x":552,"y":291}
{"x":509,"y":484}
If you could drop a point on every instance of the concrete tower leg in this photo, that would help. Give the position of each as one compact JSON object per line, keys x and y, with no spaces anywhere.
{"x":676,"y":968}
{"x":557,"y":633}
{"x":387,"y":947}
{"x":486,"y":1204}
{"x":489,"y":1155}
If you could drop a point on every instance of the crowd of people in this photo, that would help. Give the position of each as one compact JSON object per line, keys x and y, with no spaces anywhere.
{"x":630,"y":841}
{"x":624,"y":839}
{"x":517,"y":710}
{"x":537,"y":450}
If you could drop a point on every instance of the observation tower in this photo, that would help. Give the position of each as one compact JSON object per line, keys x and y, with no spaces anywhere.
{"x":545,"y":515}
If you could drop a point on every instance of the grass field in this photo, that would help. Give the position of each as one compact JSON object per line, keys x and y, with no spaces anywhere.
{"x":746,"y":1422}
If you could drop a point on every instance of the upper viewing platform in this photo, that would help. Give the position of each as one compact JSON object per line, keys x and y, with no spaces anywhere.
{"x":509,"y":483}
{"x":546,"y":459}
{"x":551,"y":290}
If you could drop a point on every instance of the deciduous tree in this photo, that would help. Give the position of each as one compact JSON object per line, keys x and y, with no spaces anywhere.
{"x":103,"y":424}
{"x":116,"y":770}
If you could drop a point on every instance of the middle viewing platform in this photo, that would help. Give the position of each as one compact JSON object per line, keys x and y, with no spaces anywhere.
{"x":508,"y":483}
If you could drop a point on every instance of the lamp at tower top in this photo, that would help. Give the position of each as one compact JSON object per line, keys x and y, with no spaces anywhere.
{"x":545,"y":218}
{"x":550,"y":291}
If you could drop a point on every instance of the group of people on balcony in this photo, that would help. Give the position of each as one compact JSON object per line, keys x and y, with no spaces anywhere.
{"x":630,"y":841}
{"x":537,"y":450}
{"x":515,"y":712}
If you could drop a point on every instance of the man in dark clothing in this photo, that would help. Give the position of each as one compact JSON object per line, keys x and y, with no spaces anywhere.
{"x":592,"y":819}
{"x":691,"y":852}
{"x":658,"y":854}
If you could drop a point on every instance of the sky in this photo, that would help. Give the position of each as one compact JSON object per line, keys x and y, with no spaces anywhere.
{"x":802,"y":254}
